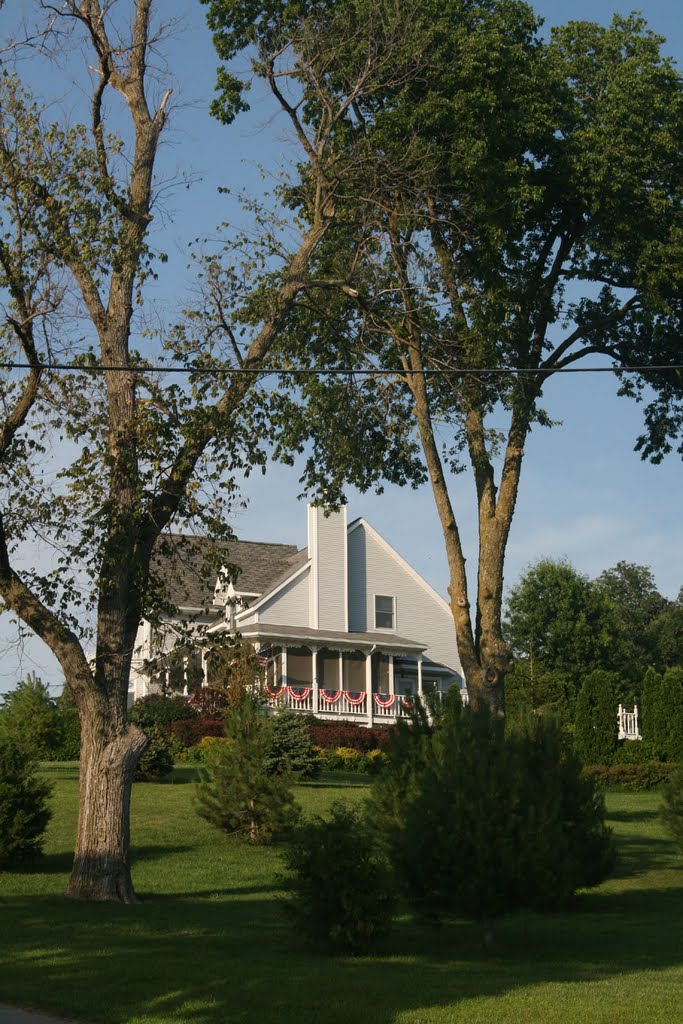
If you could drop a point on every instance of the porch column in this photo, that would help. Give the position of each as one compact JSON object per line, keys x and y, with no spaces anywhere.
{"x":284,"y":665}
{"x":419,"y":676}
{"x":392,"y":688}
{"x":368,"y":686}
{"x":341,"y":670}
{"x":314,"y":677}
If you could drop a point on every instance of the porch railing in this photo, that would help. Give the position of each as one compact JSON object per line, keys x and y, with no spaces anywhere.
{"x":345,"y":703}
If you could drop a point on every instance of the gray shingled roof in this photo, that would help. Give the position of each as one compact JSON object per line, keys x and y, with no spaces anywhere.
{"x":187,"y":567}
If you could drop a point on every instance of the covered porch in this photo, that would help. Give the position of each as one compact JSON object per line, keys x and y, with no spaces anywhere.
{"x":361,"y":677}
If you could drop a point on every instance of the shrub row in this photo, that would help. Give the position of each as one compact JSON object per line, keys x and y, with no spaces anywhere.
{"x":349,"y":759}
{"x":330,"y":735}
{"x":631,"y":776}
{"x":191,"y":731}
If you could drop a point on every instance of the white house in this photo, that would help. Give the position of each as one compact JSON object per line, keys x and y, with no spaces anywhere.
{"x":345,"y":627}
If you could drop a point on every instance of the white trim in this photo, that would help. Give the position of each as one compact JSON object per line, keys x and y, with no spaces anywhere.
{"x":332,"y":642}
{"x":385,"y":629}
{"x":346,"y":569}
{"x":272,"y":593}
{"x":401,"y":561}
{"x":313,"y":557}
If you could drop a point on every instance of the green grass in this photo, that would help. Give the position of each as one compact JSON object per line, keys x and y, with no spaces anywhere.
{"x":210,"y":945}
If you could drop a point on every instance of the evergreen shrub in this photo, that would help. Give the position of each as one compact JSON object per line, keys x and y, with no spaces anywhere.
{"x":156,"y":760}
{"x":634,"y":752}
{"x":24,"y":809}
{"x":479,"y":822}
{"x":595,"y":721}
{"x":238,"y":794}
{"x":291,"y":747}
{"x":341,"y":889}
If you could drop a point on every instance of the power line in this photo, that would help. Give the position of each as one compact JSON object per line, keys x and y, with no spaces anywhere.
{"x":339,"y":371}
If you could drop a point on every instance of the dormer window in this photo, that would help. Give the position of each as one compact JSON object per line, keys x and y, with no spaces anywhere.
{"x":384,"y":612}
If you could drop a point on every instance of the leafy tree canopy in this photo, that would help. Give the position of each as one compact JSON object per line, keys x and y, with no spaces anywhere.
{"x":556,"y":617}
{"x":501,"y":200}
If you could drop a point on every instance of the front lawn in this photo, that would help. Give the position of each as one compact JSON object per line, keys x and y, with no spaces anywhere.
{"x":210,"y":945}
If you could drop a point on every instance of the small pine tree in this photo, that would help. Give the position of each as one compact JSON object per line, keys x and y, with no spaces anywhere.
{"x":24,"y":811}
{"x":291,"y":747}
{"x":341,"y":889}
{"x":491,"y":822}
{"x":238,"y":794}
{"x":595,"y":722}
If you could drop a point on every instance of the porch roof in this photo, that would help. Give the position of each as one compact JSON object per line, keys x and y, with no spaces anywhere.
{"x":333,"y":638}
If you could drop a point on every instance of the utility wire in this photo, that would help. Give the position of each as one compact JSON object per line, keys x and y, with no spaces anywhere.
{"x":327,"y":372}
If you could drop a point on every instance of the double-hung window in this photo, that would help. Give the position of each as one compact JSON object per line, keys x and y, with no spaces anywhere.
{"x":384,"y":612}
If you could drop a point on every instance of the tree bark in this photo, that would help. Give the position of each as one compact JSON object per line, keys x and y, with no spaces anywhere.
{"x":101,"y":867}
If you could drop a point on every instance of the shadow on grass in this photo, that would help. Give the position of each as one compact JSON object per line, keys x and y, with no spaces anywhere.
{"x":338,"y":780}
{"x":634,"y":817}
{"x":185,"y":958}
{"x":61,"y":862}
{"x":636,"y":856}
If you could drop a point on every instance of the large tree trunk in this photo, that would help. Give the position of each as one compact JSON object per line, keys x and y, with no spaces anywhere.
{"x":101,"y":867}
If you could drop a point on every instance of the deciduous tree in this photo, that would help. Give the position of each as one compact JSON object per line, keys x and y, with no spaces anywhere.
{"x":107,"y":456}
{"x":516,"y":205}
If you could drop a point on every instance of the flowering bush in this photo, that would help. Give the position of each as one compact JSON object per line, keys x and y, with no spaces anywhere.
{"x":375,"y":760}
{"x":345,"y":759}
{"x":210,"y":746}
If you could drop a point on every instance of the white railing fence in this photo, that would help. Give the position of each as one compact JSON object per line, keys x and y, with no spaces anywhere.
{"x":628,"y":724}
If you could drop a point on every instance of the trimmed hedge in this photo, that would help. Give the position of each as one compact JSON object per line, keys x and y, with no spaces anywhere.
{"x":631,"y":776}
{"x":190,"y":732}
{"x":330,"y":735}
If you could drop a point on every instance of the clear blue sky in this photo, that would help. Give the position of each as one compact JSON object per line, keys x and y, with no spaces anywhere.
{"x":584,"y":493}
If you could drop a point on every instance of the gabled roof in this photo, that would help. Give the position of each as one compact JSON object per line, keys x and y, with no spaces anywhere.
{"x":187,"y":567}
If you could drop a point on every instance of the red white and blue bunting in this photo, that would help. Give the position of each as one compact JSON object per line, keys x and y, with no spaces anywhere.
{"x":274,"y":694}
{"x":385,"y":700}
{"x":299,"y":693}
{"x":330,"y":696}
{"x":354,"y":697}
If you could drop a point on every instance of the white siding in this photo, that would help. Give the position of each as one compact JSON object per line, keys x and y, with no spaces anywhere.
{"x":327,"y":546}
{"x":420,"y":616}
{"x":289,"y":607}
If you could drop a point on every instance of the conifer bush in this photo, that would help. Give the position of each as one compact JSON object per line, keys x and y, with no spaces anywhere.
{"x":238,"y":794}
{"x":24,"y":810}
{"x":291,"y":747}
{"x":156,"y":760}
{"x":341,"y":889}
{"x":479,"y":822}
{"x":595,"y":722}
